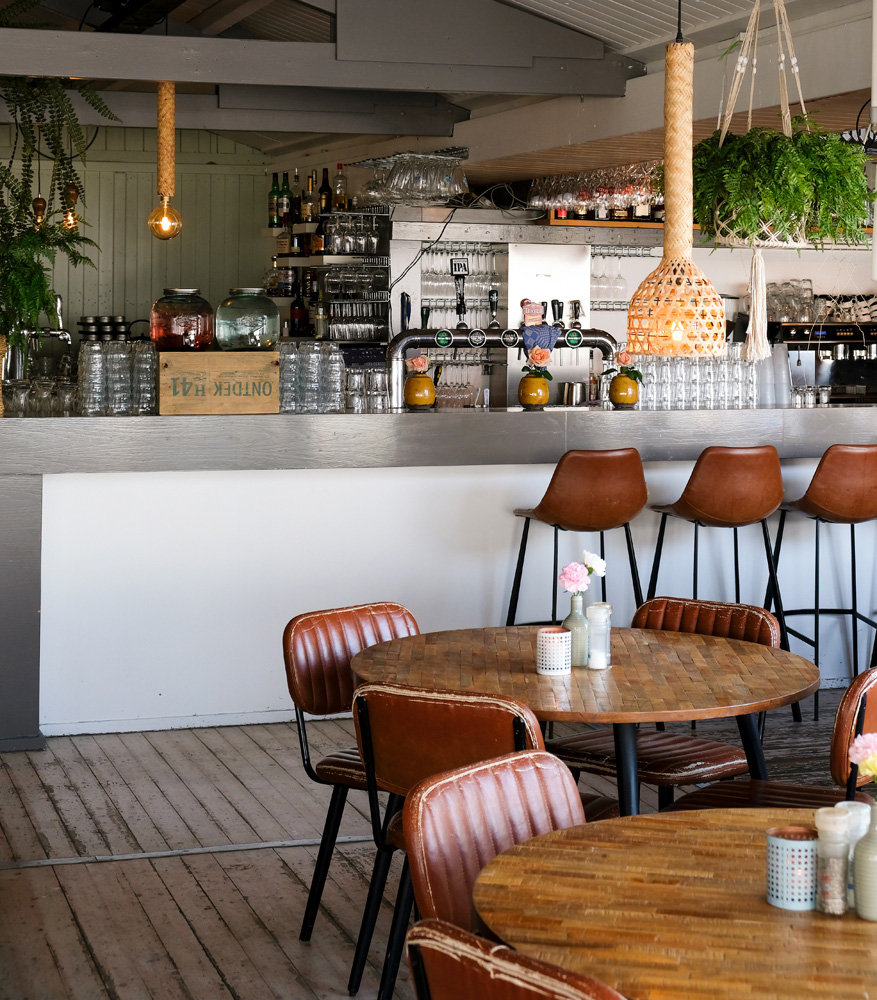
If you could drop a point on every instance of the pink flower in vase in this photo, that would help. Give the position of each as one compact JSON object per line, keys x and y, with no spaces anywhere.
{"x":575,"y":578}
{"x":418,"y":364}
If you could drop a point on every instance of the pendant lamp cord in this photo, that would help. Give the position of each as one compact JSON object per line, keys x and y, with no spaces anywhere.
{"x":679,"y":37}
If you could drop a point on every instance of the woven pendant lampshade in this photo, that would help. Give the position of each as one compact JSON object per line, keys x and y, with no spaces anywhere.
{"x":676,"y":311}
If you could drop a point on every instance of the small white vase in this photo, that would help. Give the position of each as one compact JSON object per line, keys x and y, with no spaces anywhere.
{"x":865,"y":868}
{"x":577,"y":624}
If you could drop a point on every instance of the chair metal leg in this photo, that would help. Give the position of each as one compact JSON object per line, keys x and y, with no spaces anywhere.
{"x":398,"y":930}
{"x":694,"y":570}
{"x":603,"y":557}
{"x":519,"y":572}
{"x":554,"y":581}
{"x":634,"y":570}
{"x":373,"y":901}
{"x":665,"y":796}
{"x":324,"y":859}
{"x":768,"y":594}
{"x":816,"y":615}
{"x":656,"y":561}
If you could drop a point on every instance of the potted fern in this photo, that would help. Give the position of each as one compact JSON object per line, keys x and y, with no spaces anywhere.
{"x":36,"y":226}
{"x":766,"y":188}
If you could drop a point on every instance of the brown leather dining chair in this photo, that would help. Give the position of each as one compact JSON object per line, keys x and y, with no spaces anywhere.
{"x":406,"y":735}
{"x":856,"y":713}
{"x":666,"y":759}
{"x":458,"y":821}
{"x":448,"y":963}
{"x":589,"y":491}
{"x":317,"y":650}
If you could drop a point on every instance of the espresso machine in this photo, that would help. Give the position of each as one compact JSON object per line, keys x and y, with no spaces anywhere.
{"x":842,"y":356}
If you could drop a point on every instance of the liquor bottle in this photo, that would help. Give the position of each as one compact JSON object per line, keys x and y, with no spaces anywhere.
{"x":339,"y":192}
{"x":295,"y":205}
{"x":325,"y":193}
{"x":318,"y":239}
{"x":283,"y":199}
{"x":307,"y":202}
{"x":298,"y":314}
{"x":273,"y":195}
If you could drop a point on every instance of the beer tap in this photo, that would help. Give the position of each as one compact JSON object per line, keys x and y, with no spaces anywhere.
{"x":557,"y":313}
{"x":424,"y":317}
{"x":460,"y":285}
{"x":576,"y":314}
{"x":493,"y":301}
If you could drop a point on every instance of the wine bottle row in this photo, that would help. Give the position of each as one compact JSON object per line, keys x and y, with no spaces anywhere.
{"x":288,"y":205}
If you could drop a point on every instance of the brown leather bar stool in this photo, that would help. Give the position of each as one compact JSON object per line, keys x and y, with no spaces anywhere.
{"x":843,"y":490}
{"x":730,"y":488}
{"x":590,"y":491}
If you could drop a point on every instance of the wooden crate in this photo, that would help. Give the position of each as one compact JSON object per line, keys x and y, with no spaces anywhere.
{"x":218,"y":382}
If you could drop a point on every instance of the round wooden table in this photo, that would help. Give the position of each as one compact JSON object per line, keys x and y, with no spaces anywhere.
{"x":671,"y":906}
{"x":655,"y":677}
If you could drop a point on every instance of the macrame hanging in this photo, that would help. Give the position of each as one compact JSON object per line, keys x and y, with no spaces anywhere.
{"x":676,"y":311}
{"x":757,"y":347}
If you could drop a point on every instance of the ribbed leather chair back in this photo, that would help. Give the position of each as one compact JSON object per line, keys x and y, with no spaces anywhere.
{"x":729,"y":621}
{"x":844,"y":486}
{"x":416,"y":733}
{"x":448,"y":963}
{"x":732,"y":487}
{"x":594,"y":490}
{"x":456,"y":822}
{"x":318,"y":647}
{"x":862,"y":687}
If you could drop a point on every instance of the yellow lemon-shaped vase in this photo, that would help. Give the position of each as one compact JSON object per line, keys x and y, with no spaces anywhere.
{"x":419,"y":393}
{"x":623,"y":392}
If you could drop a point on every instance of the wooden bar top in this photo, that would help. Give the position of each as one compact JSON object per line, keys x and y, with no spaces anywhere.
{"x":672,"y":906}
{"x":655,"y":676}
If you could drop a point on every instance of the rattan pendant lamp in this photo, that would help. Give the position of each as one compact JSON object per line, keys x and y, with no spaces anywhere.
{"x":676,"y":311}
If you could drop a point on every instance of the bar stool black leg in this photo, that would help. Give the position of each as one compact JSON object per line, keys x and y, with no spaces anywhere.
{"x":736,"y":568}
{"x":634,"y":571}
{"x":656,"y":561}
{"x":775,"y":588}
{"x":816,"y":616}
{"x":554,"y":581}
{"x":768,"y":594}
{"x":603,"y":557}
{"x":855,"y":601}
{"x":519,"y":572}
{"x":694,"y":570}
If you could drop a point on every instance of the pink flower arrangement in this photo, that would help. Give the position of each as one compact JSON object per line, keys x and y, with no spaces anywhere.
{"x":863,"y":752}
{"x":537,"y":359}
{"x":576,"y":577}
{"x":418,"y":364}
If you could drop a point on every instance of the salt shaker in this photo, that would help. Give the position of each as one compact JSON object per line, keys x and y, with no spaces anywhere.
{"x":860,"y":820}
{"x":833,"y":858}
{"x":598,"y":616}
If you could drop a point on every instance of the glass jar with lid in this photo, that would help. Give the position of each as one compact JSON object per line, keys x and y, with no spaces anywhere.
{"x":247,"y":321}
{"x":181,"y":321}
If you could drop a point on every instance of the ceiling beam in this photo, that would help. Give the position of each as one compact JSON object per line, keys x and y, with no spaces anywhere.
{"x":306,"y":110}
{"x":31,"y":52}
{"x":225,"y":14}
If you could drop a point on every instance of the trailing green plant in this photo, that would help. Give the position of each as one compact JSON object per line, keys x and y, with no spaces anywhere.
{"x":766,"y":177}
{"x":47,"y":128}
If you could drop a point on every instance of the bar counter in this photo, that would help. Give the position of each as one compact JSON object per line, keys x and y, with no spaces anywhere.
{"x":157,"y":599}
{"x":35,"y":447}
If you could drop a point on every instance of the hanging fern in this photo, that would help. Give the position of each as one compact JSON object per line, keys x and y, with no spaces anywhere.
{"x":47,"y":127}
{"x":766,"y":176}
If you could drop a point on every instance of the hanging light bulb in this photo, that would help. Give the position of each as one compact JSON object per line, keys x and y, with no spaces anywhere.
{"x":39,"y":210}
{"x":71,"y":196}
{"x":165,"y":222}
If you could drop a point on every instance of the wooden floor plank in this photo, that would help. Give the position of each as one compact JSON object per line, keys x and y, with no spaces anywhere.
{"x":143,"y":833}
{"x":203,"y":829}
{"x":196,"y":771}
{"x":164,"y":828}
{"x":54,"y":838}
{"x":19,"y":839}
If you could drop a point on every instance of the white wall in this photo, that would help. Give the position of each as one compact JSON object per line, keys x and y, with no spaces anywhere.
{"x":165,"y":595}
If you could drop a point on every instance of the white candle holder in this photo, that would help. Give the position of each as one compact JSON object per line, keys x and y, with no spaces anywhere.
{"x":553,"y":651}
{"x":791,"y":867}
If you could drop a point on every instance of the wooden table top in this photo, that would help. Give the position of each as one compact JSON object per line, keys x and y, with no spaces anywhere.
{"x":655,"y":676}
{"x":673,"y":905}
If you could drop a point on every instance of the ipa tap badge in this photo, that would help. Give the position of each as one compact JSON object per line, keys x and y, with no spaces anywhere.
{"x":532,"y":312}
